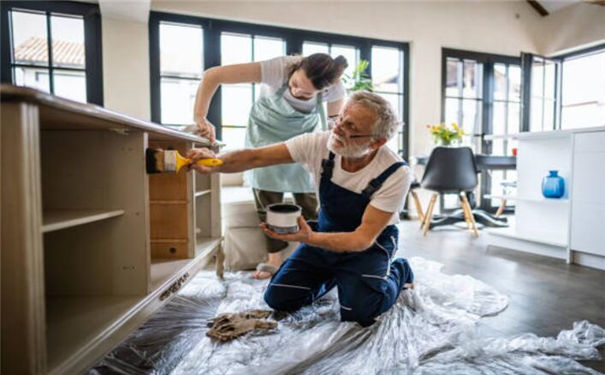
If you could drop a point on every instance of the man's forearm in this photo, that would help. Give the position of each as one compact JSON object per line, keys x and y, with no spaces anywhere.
{"x":340,"y":241}
{"x":238,"y":161}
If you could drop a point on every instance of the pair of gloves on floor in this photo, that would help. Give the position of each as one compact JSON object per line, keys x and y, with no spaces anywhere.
{"x":226,"y":327}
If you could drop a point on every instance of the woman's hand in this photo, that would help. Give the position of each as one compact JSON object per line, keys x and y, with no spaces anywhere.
{"x":196,"y":154}
{"x":303,"y":234}
{"x":206,"y":128}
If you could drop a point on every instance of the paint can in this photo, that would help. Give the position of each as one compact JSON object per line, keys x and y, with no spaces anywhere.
{"x":282,"y":218}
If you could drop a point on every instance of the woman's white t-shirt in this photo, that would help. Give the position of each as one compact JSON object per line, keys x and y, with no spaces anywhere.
{"x":311,"y":148}
{"x":274,"y":74}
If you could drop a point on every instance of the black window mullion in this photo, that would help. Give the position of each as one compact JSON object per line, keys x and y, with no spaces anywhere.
{"x":93,"y":56}
{"x":212,"y":57}
{"x":51,"y":76}
{"x":486,"y":128}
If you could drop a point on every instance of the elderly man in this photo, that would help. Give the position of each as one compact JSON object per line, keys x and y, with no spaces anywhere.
{"x":361,"y":186}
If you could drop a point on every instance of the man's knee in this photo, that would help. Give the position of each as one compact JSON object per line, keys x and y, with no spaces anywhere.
{"x":279,"y":300}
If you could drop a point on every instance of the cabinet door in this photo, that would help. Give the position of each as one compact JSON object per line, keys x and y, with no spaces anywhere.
{"x":588,"y":194}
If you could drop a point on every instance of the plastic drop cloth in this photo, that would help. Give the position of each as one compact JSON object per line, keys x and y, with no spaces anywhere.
{"x":430,"y":330}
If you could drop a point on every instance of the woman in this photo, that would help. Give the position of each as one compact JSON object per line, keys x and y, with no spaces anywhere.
{"x":293,"y":104}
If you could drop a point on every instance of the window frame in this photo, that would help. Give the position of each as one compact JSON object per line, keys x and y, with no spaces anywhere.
{"x":294,"y":40}
{"x":487,"y":102}
{"x":560,"y":59}
{"x":92,"y":42}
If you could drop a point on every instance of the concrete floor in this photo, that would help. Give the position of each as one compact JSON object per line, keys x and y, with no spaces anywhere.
{"x":546,"y":295}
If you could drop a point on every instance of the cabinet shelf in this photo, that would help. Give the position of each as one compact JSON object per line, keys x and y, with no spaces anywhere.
{"x":62,"y":219}
{"x":73,"y":323}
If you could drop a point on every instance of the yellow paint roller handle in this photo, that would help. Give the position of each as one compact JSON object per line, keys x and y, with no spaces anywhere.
{"x":210,"y":162}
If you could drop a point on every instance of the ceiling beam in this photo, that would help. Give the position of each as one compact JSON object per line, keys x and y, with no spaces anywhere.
{"x":538,"y":7}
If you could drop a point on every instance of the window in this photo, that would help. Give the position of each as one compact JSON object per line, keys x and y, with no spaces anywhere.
{"x":565,"y":91}
{"x":220,"y":42}
{"x":53,"y":47}
{"x":482,"y":93}
{"x":583,"y":91}
{"x":237,"y":99}
{"x":181,"y":67}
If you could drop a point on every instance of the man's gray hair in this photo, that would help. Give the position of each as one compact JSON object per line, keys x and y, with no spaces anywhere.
{"x":386,"y":124}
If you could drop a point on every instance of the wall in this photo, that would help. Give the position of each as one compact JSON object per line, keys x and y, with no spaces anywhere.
{"x":126,"y":67}
{"x":577,"y":25}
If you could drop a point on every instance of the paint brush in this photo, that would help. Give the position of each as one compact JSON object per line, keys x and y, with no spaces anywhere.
{"x":170,"y":161}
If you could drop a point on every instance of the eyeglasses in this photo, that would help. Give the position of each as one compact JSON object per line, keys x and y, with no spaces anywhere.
{"x":336,"y":121}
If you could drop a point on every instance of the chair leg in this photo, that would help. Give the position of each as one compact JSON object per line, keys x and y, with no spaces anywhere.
{"x":470,"y":213}
{"x":424,"y":214}
{"x":417,"y":205}
{"x":467,"y":219}
{"x":429,"y":214}
{"x":501,"y":208}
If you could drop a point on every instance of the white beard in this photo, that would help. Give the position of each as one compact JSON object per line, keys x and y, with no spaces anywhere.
{"x":347,"y":150}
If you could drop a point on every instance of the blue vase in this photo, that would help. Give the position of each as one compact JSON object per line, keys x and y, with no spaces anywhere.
{"x":553,"y":185}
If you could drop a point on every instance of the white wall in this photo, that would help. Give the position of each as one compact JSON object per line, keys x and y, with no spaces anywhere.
{"x":497,"y":27}
{"x":126,"y":67}
{"x":577,"y":25}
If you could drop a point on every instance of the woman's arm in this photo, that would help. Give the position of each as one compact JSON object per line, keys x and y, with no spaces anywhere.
{"x":213,"y":77}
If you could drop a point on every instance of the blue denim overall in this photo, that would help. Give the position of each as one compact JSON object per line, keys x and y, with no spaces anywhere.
{"x":368,"y":282}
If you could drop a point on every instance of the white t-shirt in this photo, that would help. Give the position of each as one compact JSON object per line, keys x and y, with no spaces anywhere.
{"x":274,"y":74}
{"x":311,"y":148}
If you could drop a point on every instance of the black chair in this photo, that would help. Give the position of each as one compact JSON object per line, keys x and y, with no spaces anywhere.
{"x":450,"y":170}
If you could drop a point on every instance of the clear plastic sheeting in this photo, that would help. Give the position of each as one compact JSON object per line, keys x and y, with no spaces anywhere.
{"x":430,"y":330}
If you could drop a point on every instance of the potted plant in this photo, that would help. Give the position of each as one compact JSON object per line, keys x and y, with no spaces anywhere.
{"x":359,"y":79}
{"x":446,"y":135}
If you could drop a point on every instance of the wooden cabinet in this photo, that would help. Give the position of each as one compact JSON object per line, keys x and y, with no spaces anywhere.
{"x":91,"y":244}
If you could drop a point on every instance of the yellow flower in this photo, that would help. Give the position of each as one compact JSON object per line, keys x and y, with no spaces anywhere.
{"x":455,"y":126}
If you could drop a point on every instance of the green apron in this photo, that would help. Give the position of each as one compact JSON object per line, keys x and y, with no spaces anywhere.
{"x":273,"y":120}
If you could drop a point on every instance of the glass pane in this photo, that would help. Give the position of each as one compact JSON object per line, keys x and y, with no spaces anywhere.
{"x":453,"y":69}
{"x":583,"y":95}
{"x":513,"y":117}
{"x":29,"y":38}
{"x":535,"y":123}
{"x":234,"y":138}
{"x":471,"y":87}
{"x":583,"y":116}
{"x":68,"y":42}
{"x":500,"y":82}
{"x":386,"y":69}
{"x":236,"y":104}
{"x":349,"y":53}
{"x":549,"y":119}
{"x":235,"y":49}
{"x":549,"y":79}
{"x":181,"y":50}
{"x":514,"y":82}
{"x":268,"y":48}
{"x":452,"y":111}
{"x":471,"y":116}
{"x":178,"y":97}
{"x":310,"y":48}
{"x":32,"y":77}
{"x":70,"y":84}
{"x":537,"y":78}
{"x":499,"y":119}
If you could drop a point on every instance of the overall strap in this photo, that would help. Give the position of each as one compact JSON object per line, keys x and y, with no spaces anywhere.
{"x":377,"y":182}
{"x":327,"y":166}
